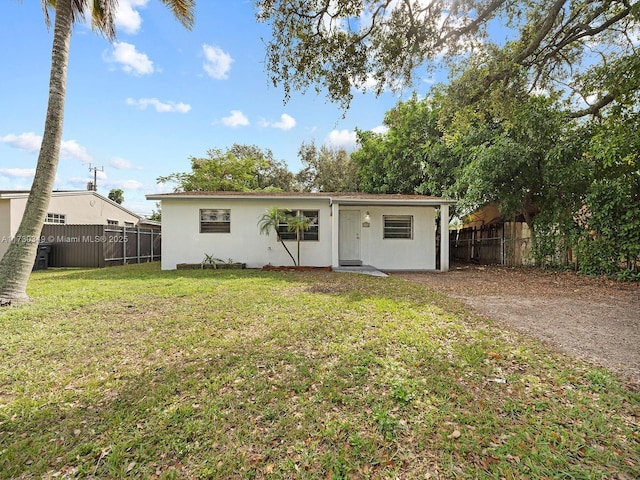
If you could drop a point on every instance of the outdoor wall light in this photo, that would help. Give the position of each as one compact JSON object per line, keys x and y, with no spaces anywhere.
{"x":367,"y":217}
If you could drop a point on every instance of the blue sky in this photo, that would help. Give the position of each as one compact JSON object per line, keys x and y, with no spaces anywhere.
{"x":142,"y":105}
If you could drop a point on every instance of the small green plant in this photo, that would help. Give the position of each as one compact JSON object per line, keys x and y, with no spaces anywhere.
{"x":211,"y":260}
{"x":402,"y":392}
{"x":388,"y":425}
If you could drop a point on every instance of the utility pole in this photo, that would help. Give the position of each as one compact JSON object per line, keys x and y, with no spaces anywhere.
{"x":94,"y":186}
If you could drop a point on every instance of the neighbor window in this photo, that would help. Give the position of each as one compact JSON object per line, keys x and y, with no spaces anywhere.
{"x":128,"y":224}
{"x":112,"y":222}
{"x":398,"y":226}
{"x":59,"y":218}
{"x":215,"y":220}
{"x":313,"y":234}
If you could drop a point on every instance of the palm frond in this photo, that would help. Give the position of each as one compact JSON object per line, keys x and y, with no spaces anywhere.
{"x":183,"y":10}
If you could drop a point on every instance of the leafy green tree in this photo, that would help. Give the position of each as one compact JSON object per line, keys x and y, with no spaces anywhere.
{"x":16,"y":264}
{"x":342,"y":45}
{"x":609,"y":240}
{"x":523,"y":153}
{"x":156,"y":215}
{"x":241,"y":168}
{"x":271,"y":174}
{"x":411,"y":157}
{"x":117,"y":195}
{"x":271,"y":220}
{"x":326,"y":169}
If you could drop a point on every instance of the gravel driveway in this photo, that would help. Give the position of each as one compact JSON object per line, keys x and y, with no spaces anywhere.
{"x":595,"y":319}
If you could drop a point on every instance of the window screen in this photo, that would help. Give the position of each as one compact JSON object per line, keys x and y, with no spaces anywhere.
{"x":313,"y":234}
{"x":398,"y":226}
{"x":59,"y":218}
{"x":215,"y":221}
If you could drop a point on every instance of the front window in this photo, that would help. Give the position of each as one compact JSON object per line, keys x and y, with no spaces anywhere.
{"x":313,"y":234}
{"x":59,"y":218}
{"x":398,"y":226}
{"x":215,"y":220}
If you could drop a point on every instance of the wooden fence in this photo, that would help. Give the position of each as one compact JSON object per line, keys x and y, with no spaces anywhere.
{"x":501,"y":243}
{"x":100,"y":245}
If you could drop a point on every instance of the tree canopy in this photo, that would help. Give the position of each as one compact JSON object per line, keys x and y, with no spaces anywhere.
{"x":239,"y":168}
{"x":117,"y":195}
{"x":326,"y":169}
{"x":342,"y":45}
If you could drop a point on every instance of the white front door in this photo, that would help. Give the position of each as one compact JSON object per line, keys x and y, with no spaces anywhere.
{"x":349,"y":241}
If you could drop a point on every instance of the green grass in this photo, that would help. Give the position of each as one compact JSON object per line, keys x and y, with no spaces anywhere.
{"x":130,"y":372}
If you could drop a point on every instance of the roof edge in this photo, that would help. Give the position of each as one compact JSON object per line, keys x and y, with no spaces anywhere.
{"x":339,"y":198}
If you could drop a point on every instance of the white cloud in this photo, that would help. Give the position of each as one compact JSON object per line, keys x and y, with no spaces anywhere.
{"x":380,"y":129}
{"x":71,"y":149}
{"x":31,"y":143}
{"x":122,"y":164}
{"x":28,"y":141}
{"x":130,"y":60}
{"x":163,"y":188}
{"x":217,"y":62}
{"x":236,"y":119}
{"x":127,"y":17}
{"x":287,"y":122}
{"x":342,"y":139}
{"x":126,"y":185}
{"x":161,"y":107}
{"x":17,"y":172}
{"x":133,"y":185}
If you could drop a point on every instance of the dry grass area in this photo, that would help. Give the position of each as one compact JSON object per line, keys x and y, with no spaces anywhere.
{"x":131,"y":372}
{"x":596,"y":319}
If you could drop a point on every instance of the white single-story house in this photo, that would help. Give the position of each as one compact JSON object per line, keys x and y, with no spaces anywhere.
{"x":389,"y":232}
{"x":71,"y":207}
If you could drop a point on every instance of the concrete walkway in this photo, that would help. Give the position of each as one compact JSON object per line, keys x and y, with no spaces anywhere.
{"x":363,"y":269}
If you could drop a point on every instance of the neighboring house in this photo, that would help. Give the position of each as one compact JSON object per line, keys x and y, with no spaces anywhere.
{"x":389,"y":232}
{"x":65,"y":207}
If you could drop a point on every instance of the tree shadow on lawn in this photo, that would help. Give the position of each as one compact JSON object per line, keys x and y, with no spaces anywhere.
{"x":379,"y":385}
{"x":237,"y":412}
{"x":247,"y":410}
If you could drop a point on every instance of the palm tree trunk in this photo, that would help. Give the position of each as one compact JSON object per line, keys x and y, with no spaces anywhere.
{"x":17,"y":263}
{"x":285,"y":247}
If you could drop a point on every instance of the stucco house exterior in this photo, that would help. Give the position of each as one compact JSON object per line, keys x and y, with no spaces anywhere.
{"x":73,"y":207}
{"x":389,"y":232}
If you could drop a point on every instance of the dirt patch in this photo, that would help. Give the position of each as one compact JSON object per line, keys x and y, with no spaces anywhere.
{"x":595,"y":319}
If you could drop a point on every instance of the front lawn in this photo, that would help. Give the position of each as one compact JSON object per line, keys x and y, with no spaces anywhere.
{"x":137,"y":373}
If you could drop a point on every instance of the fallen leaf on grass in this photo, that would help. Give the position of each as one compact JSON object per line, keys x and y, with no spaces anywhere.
{"x":454,"y":435}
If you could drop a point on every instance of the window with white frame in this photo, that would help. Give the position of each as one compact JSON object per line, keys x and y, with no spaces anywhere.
{"x":312,"y":234}
{"x":129,"y":224}
{"x":113,"y":223}
{"x":59,"y":218}
{"x":398,"y":226}
{"x":215,"y":220}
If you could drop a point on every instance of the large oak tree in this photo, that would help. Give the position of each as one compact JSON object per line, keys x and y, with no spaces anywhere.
{"x":339,"y":45}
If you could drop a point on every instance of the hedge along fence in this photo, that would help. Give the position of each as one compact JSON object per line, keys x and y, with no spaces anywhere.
{"x":101,"y":245}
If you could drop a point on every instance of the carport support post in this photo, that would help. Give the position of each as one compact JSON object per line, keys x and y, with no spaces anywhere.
{"x":444,"y":238}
